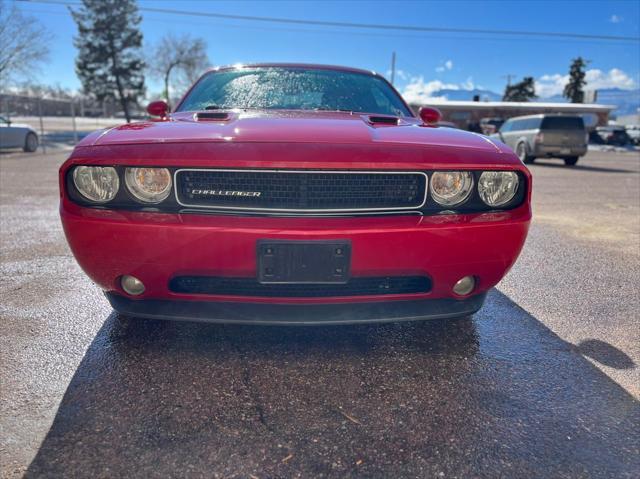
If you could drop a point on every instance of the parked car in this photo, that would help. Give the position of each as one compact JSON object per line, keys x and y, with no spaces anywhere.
{"x":489,"y":126}
{"x":288,"y":193}
{"x":550,"y":136}
{"x":613,"y":135}
{"x":634,"y":133}
{"x":17,"y":135}
{"x":595,"y":138}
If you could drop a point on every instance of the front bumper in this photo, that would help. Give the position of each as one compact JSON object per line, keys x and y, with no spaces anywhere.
{"x":157,"y":247}
{"x":296,"y":314}
{"x":560,"y":150}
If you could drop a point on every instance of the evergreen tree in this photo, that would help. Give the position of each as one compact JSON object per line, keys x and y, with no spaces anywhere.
{"x":573,"y":90}
{"x":109,"y":62}
{"x":522,"y":91}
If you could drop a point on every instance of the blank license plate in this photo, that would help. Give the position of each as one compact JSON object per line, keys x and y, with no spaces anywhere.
{"x":304,"y":261}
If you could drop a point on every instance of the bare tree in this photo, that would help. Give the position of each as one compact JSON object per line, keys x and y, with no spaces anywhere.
{"x":23,"y":43}
{"x":185,"y":57}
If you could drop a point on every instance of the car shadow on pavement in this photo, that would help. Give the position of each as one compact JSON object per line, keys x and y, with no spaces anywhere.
{"x":605,"y":354}
{"x":579,"y":167}
{"x":496,"y":395}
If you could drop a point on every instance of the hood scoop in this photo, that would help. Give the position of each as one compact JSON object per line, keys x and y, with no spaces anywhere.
{"x":211,"y":116}
{"x":383,"y":120}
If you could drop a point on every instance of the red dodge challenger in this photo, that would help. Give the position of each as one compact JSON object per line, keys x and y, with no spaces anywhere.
{"x":294,"y":194}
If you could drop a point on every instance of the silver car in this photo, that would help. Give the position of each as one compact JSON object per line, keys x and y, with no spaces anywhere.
{"x":545,"y":136}
{"x":17,"y":135}
{"x":634,"y":133}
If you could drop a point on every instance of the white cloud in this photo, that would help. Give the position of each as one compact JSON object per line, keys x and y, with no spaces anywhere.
{"x":418,"y":91}
{"x":448,"y":65}
{"x":615,"y":18}
{"x":400,"y":75}
{"x":615,"y":78}
{"x":468,"y":84}
{"x":550,"y":85}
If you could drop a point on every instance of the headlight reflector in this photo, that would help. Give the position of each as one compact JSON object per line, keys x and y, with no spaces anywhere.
{"x":449,"y":188}
{"x":497,"y":188}
{"x":149,"y":185}
{"x":98,"y":184}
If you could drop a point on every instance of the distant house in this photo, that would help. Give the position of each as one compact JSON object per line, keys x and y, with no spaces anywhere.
{"x":467,"y":114}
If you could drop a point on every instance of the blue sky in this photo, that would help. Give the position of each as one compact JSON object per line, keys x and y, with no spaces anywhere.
{"x":426,"y":61}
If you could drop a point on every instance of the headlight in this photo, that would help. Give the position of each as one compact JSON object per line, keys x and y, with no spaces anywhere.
{"x":450,"y":188}
{"x":150,"y":185}
{"x":497,"y":188}
{"x":96,"y":183}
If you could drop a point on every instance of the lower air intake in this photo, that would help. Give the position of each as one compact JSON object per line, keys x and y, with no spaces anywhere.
{"x":358,"y":286}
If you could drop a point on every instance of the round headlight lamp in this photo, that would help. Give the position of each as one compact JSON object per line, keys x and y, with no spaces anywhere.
{"x":450,"y":188}
{"x":149,"y":185}
{"x":98,"y":184}
{"x":497,"y":188}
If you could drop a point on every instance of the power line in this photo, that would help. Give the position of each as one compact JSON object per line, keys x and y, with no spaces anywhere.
{"x":375,"y":26}
{"x":164,"y":19}
{"x":417,"y":35}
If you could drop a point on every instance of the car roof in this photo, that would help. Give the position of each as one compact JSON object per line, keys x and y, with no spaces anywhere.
{"x":310,"y":66}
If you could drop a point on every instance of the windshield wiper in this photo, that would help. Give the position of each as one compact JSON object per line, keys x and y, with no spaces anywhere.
{"x":321,"y":108}
{"x":218,"y":107}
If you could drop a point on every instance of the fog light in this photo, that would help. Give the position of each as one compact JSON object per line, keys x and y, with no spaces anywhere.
{"x":464,"y":285}
{"x":132,"y":285}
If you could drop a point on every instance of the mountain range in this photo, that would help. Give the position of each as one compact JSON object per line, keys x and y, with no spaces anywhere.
{"x":627,"y":102}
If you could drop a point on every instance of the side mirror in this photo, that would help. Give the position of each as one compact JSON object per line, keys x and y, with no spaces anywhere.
{"x":158,"y":108}
{"x":430,"y":116}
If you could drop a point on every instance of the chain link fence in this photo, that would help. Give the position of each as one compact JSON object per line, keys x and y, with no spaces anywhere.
{"x":59,"y":122}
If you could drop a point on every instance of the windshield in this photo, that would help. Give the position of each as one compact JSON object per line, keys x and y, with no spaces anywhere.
{"x":562,"y":123}
{"x":294,"y":89}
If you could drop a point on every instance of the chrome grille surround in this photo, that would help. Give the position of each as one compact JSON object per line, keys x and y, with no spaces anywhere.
{"x":420,"y":199}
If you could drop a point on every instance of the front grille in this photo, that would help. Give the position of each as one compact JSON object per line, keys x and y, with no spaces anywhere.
{"x":359,"y":286}
{"x":299,"y":191}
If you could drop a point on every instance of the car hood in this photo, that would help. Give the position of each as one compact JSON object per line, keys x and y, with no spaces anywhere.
{"x":288,"y":127}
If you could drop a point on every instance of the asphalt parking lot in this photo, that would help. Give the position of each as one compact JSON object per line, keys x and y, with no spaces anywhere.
{"x":543,"y":382}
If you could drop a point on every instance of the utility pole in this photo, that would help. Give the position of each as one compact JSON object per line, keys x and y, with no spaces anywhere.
{"x":393,"y":67}
{"x":42,"y":142}
{"x":73,"y":121}
{"x":509,"y":76}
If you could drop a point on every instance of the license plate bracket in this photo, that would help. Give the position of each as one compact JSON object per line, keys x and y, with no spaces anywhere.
{"x":283,"y":261}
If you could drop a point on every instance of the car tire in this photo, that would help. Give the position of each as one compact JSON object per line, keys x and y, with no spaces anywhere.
{"x":521,"y":151}
{"x":571,"y":160}
{"x":30,"y":143}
